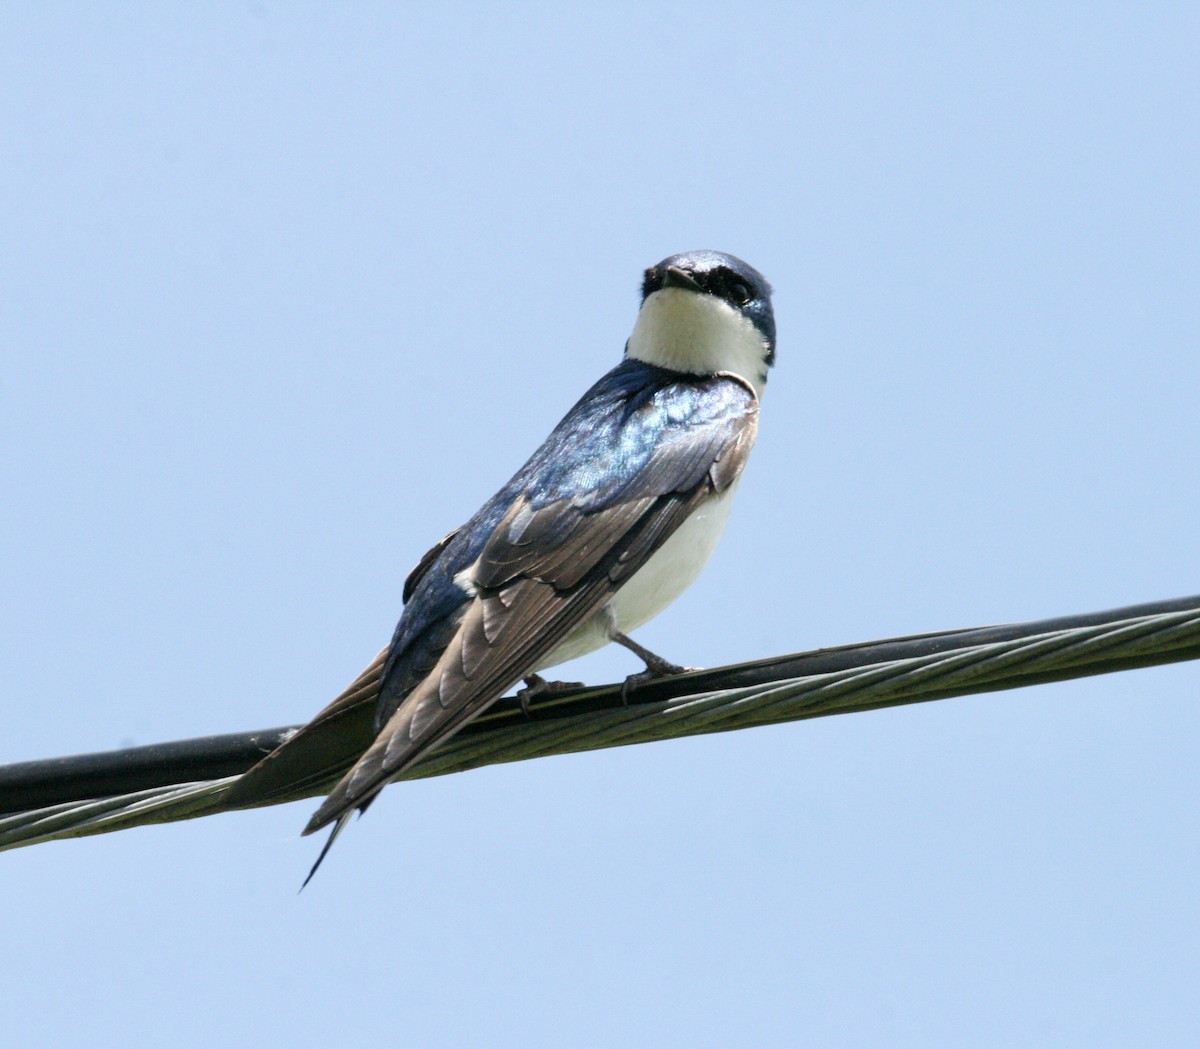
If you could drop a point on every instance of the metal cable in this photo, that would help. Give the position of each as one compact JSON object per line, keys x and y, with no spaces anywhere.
{"x":831,"y":681}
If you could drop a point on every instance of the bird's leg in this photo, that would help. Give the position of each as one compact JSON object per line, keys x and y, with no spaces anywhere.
{"x":537,"y":687}
{"x":656,"y":666}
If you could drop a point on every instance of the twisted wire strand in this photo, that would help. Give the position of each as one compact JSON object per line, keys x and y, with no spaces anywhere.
{"x":944,"y":665}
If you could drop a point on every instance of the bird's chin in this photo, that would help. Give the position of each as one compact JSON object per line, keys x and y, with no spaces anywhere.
{"x":698,"y":334}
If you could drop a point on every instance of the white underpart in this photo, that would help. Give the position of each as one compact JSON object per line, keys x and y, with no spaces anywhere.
{"x":689,"y":331}
{"x":686,"y":331}
{"x":669,"y":572}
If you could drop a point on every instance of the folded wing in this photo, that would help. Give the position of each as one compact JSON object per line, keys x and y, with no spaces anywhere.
{"x":546,"y":568}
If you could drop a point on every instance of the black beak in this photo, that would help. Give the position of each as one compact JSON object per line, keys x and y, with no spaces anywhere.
{"x":676,"y":277}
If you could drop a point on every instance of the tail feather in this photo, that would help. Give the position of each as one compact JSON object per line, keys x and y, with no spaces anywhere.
{"x":333,"y":834}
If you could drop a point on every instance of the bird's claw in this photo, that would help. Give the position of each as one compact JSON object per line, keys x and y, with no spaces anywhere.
{"x":656,"y":669}
{"x":537,"y":687}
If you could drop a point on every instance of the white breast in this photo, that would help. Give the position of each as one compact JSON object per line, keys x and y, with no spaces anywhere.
{"x":669,"y":572}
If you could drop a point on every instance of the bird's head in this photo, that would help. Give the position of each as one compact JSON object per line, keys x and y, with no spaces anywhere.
{"x":705,"y":312}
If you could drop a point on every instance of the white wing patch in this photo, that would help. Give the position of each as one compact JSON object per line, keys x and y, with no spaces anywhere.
{"x":465,"y":580}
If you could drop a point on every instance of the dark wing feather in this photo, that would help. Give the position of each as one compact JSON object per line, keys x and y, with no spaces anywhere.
{"x":320,"y":752}
{"x":335,"y":739}
{"x":544,"y":571}
{"x":414,"y":577}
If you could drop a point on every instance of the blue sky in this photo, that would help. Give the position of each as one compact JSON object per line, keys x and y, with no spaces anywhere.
{"x":288,"y":290}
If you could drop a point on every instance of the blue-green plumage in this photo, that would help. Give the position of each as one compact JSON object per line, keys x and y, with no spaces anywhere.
{"x":593,"y":457}
{"x":606,"y":523}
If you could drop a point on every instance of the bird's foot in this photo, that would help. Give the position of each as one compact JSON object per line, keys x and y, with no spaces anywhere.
{"x":656,"y":667}
{"x":537,"y":687}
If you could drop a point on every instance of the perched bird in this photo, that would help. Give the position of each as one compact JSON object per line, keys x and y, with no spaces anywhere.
{"x":606,"y":524}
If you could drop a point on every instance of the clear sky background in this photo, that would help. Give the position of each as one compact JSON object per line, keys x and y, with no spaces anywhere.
{"x":287,"y":290}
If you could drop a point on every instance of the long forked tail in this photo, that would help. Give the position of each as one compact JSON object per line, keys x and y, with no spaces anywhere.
{"x":333,"y":835}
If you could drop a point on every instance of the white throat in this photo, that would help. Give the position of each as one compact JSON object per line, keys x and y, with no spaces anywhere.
{"x":687,"y":331}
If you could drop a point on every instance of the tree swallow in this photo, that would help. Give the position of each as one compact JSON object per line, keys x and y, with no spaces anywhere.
{"x":607,"y":523}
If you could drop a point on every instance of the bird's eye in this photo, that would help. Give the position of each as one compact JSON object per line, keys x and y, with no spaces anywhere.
{"x":739,"y":293}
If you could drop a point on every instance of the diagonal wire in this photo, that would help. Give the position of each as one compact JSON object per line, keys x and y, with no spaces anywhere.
{"x":844,"y":680}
